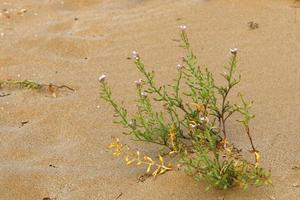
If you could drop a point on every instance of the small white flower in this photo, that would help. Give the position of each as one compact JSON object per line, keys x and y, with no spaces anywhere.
{"x":179,"y":66}
{"x":204,"y":119}
{"x":234,"y":50}
{"x":135,"y":55}
{"x":138,"y":82}
{"x":102,"y":78}
{"x":182,"y":27}
{"x":193,"y":125}
{"x":144,"y":94}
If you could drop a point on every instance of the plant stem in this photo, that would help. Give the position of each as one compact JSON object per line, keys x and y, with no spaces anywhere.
{"x":223,"y":120}
{"x":250,"y":138}
{"x":149,"y":78}
{"x":107,"y":96}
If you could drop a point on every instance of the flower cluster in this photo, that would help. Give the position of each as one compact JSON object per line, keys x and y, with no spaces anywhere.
{"x":135,"y":55}
{"x":182,"y":27}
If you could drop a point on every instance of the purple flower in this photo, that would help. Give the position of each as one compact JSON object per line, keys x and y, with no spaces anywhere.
{"x":138,"y":83}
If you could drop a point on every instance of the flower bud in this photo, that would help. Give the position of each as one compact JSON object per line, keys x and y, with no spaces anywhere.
{"x":144,"y":94}
{"x":234,"y":51}
{"x":193,"y":126}
{"x":135,"y":55}
{"x":138,"y":83}
{"x":204,"y":119}
{"x":102,"y":78}
{"x":179,"y":66}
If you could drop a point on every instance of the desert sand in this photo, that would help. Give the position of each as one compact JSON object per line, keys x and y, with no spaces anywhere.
{"x":60,"y":150}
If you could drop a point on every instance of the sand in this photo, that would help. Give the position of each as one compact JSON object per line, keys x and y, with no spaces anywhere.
{"x":61,"y":152}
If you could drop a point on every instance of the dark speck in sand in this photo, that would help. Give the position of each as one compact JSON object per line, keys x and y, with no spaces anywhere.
{"x":53,"y":166}
{"x":23,"y":123}
{"x":4,"y":94}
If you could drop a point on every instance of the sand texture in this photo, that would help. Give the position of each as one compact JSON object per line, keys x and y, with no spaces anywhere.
{"x":60,"y":149}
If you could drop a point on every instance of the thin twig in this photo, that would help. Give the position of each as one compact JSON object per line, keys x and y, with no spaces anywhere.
{"x":119,"y":196}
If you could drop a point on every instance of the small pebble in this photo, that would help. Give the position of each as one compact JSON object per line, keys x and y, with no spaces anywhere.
{"x":296,"y":185}
{"x":271,"y":197}
{"x":296,"y":167}
{"x":253,"y":25}
{"x":22,"y":11}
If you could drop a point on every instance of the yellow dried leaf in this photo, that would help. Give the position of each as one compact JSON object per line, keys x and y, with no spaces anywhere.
{"x":172,"y":152}
{"x":168,"y":168}
{"x":161,"y":159}
{"x":148,"y":159}
{"x":116,"y":153}
{"x":115,"y":143}
{"x":156,"y":172}
{"x":130,"y":161}
{"x":162,"y":171}
{"x":127,"y":158}
{"x":139,"y":162}
{"x":149,"y":168}
{"x":257,"y":156}
{"x":199,"y":107}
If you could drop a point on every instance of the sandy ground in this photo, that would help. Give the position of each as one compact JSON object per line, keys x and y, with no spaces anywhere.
{"x":61,"y":152}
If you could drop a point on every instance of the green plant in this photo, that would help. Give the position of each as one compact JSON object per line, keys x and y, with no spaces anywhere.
{"x":29,"y":84}
{"x":192,"y":123}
